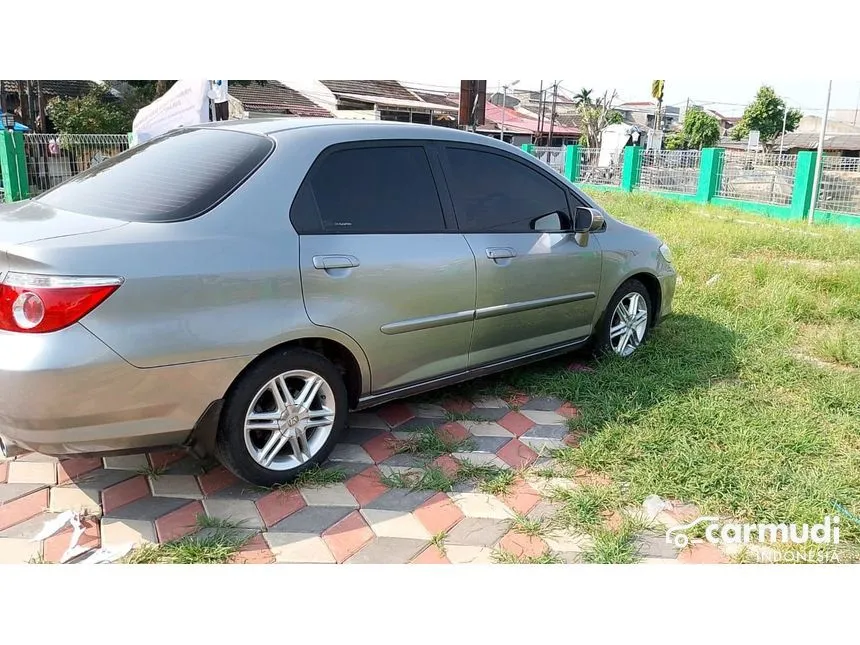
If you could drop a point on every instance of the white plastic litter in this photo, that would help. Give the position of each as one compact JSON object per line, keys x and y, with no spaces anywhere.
{"x":713,"y":280}
{"x":108,"y":554}
{"x":54,"y":525}
{"x":654,"y":505}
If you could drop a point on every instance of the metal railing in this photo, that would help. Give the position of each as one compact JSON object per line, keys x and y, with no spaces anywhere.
{"x":675,"y":171}
{"x":758,"y":177}
{"x":595,"y":168}
{"x":54,"y":158}
{"x":552,"y":157}
{"x":839,"y":190}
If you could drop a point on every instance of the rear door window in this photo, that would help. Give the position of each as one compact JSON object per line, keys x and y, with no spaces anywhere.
{"x":375,"y":189}
{"x":171,"y":178}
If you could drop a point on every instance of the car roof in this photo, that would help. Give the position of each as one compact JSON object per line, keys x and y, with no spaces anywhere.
{"x":356,"y":128}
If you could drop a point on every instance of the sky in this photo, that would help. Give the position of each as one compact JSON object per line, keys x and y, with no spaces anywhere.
{"x":727,"y":96}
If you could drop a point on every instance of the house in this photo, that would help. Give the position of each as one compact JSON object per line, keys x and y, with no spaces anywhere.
{"x":22,"y":97}
{"x":840,"y":145}
{"x":383,"y":100}
{"x":273,"y":98}
{"x":643,"y":113}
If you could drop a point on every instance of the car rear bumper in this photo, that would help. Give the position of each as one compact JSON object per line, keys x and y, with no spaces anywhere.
{"x":68,"y":393}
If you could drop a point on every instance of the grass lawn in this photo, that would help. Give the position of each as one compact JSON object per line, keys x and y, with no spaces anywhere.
{"x":747,"y":400}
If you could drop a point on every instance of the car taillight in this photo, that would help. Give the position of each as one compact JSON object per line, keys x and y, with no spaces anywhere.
{"x":43,"y":303}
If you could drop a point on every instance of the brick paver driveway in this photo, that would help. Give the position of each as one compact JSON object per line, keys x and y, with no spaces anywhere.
{"x":162,"y":496}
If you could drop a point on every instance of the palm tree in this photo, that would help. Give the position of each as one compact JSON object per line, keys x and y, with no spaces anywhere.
{"x":583,"y":97}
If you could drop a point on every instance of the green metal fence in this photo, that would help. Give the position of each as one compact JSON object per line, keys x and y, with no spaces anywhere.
{"x":778,"y":186}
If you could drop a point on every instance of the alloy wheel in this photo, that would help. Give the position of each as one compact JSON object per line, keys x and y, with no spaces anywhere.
{"x":289,"y":420}
{"x":629,"y":324}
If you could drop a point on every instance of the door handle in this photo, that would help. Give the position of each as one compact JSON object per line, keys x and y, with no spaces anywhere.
{"x":500,"y":253}
{"x":335,"y":262}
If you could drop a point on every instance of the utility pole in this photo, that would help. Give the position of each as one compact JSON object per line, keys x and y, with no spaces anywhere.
{"x":784,"y":118}
{"x":817,"y":177}
{"x":540,"y":115}
{"x":552,"y":112}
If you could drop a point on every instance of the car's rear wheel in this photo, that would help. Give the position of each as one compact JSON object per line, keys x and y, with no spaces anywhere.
{"x":284,"y":416}
{"x":626,"y":322}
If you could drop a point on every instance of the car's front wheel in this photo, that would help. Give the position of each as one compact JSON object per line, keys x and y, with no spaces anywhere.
{"x":283,"y":416}
{"x":627,"y":320}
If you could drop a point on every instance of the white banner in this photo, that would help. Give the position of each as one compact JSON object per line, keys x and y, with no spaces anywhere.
{"x":184,"y":104}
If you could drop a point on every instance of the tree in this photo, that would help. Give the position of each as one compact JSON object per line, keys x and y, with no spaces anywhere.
{"x":765,"y":114}
{"x":94,"y":112}
{"x":596,"y":115}
{"x":701,"y":130}
{"x":583,"y":97}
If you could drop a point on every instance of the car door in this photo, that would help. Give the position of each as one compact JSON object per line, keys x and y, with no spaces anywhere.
{"x":536,"y":282}
{"x":380,"y":263}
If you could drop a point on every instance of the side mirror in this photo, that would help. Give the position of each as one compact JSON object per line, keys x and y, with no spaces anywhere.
{"x":587,"y":220}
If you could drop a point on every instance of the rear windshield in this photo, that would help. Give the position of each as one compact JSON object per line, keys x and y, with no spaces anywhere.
{"x":174,"y":177}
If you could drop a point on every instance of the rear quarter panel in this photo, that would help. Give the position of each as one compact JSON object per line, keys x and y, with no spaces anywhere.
{"x":222,"y":285}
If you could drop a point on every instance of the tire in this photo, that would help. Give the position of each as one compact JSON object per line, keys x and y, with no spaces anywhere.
{"x":276,"y":436}
{"x":604,"y":343}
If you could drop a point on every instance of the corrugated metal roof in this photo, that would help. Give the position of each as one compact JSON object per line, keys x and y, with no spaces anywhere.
{"x":518,"y":120}
{"x":809,"y":141}
{"x":276,"y":98}
{"x":387,"y":89}
{"x":403,"y":103}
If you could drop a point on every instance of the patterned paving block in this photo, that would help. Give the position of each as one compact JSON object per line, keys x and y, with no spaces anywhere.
{"x":480,"y":459}
{"x":652,"y":545}
{"x":565,"y":541}
{"x":238,"y":490}
{"x":162,"y":459}
{"x":216,"y":479}
{"x":453,"y":431}
{"x":298,"y":548}
{"x":359,"y":436}
{"x":545,"y":418}
{"x":118,"y":532}
{"x":429,"y":411}
{"x":546,"y":432}
{"x":254,"y":551}
{"x":405,"y":460}
{"x":419,"y":424}
{"x":178,"y":523}
{"x":19,"y":551}
{"x":28,"y":529}
{"x":184,"y":486}
{"x":542,"y":445}
{"x":4,"y":471}
{"x":348,"y":536}
{"x":400,"y":499}
{"x":521,"y":497}
{"x":125,"y":492}
{"x":147,"y":509}
{"x":447,"y":464}
{"x":516,"y":423}
{"x":10,"y":492}
{"x":311,"y":519}
{"x":381,"y":447}
{"x":568,"y":411}
{"x":366,"y":486}
{"x":331,"y":495}
{"x":545,"y":403}
{"x":366,"y":420}
{"x":516,"y":454}
{"x":350,"y":453}
{"x":188,"y":466}
{"x":469,"y":554}
{"x":32,"y":472}
{"x":486,"y":429}
{"x":522,"y":546}
{"x":395,"y":524}
{"x":489,"y":402}
{"x":394,"y":414}
{"x":279,"y":504}
{"x":457,"y":406}
{"x":74,"y":468}
{"x":431,"y":555}
{"x":38,"y":457}
{"x":136,"y":463}
{"x":489,"y":445}
{"x":438,"y":514}
{"x":487,"y":414}
{"x":239,"y":511}
{"x":474,"y":531}
{"x":346,"y":468}
{"x":388,"y":550}
{"x":481,"y":505}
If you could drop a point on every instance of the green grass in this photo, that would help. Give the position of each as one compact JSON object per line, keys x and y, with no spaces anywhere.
{"x":431,"y":444}
{"x":213,"y":547}
{"x":718,"y":409}
{"x":429,"y":478}
{"x":613,"y":547}
{"x":547,"y":557}
{"x":152,"y":471}
{"x":529,"y":526}
{"x":315,"y":477}
{"x":583,"y":507}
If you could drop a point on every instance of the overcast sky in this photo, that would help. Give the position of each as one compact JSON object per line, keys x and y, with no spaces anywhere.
{"x":726,"y":96}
